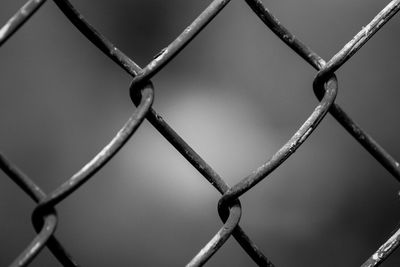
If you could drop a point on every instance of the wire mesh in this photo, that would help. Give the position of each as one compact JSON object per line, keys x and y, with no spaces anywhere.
{"x":325,"y":85}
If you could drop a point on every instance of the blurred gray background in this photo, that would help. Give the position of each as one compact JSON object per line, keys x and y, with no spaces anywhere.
{"x":235,"y":94}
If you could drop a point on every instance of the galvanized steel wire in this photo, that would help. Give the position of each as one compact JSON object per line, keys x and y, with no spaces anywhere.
{"x":325,"y":87}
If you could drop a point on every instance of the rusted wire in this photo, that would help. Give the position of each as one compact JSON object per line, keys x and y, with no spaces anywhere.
{"x":325,"y":87}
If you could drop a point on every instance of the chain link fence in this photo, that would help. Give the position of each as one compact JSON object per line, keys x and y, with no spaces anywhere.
{"x":325,"y":85}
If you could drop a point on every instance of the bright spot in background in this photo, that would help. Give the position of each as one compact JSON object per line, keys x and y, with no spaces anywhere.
{"x":220,"y":127}
{"x":326,"y":192}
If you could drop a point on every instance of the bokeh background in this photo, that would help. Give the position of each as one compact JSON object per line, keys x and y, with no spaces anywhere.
{"x":235,"y":94}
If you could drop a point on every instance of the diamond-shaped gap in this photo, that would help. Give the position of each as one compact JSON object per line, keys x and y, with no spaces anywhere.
{"x":191,"y":112}
{"x":166,"y":233}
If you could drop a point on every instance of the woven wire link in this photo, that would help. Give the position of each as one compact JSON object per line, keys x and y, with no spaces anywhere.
{"x":325,"y":87}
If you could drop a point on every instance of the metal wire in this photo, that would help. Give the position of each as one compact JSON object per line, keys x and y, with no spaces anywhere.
{"x":325,"y":87}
